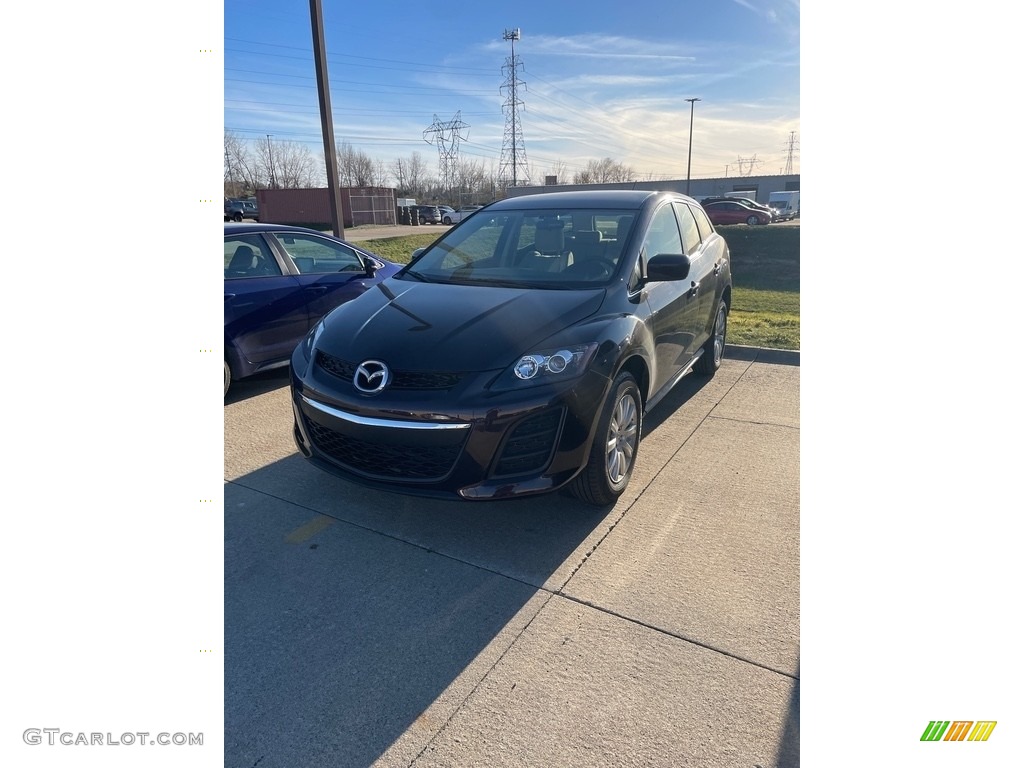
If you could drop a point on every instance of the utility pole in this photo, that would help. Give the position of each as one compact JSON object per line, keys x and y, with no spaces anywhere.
{"x":689,"y":151}
{"x":270,"y":155}
{"x":447,"y":134}
{"x":316,"y":17}
{"x":513,"y":152}
{"x":789,"y":154}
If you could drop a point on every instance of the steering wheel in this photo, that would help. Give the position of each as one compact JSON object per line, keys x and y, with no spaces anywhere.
{"x":594,"y":268}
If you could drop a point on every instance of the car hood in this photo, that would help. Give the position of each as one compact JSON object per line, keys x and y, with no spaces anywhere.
{"x":442,"y":327}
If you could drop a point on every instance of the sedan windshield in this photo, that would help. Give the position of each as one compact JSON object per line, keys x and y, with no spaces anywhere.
{"x":564,"y":248}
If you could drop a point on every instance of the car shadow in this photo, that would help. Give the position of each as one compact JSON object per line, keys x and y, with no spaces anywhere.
{"x":340,"y":642}
{"x":356,"y":622}
{"x":257,"y":384}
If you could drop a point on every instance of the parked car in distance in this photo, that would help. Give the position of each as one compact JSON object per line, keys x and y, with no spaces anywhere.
{"x":237,"y":210}
{"x":444,"y":209}
{"x":519,"y":353}
{"x":454,"y":217}
{"x":723,"y":212}
{"x":743,"y":200}
{"x":278,"y":282}
{"x":428,"y":214}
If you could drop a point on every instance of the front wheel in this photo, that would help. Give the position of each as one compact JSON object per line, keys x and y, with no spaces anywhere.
{"x":238,"y":217}
{"x":714,"y":347}
{"x":752,"y":220}
{"x":446,"y":220}
{"x":613,"y":452}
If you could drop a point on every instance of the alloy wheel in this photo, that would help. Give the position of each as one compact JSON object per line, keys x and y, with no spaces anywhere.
{"x":620,"y":446}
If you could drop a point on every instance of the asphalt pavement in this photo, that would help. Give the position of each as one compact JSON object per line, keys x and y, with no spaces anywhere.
{"x":368,"y":628}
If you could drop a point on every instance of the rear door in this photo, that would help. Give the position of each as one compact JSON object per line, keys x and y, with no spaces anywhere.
{"x":703,"y":273}
{"x":264,"y":309}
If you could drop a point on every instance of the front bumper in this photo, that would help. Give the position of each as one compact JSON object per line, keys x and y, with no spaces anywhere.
{"x":465,"y":442}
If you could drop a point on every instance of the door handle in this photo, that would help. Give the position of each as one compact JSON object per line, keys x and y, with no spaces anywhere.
{"x":718,"y":267}
{"x":694,"y":287}
{"x":316,"y":288}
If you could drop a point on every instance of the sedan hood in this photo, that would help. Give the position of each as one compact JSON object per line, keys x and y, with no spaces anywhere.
{"x":442,"y":327}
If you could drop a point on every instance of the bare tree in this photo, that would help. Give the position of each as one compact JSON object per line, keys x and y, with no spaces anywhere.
{"x":243,"y":171}
{"x":295,"y":167}
{"x":604,"y":171}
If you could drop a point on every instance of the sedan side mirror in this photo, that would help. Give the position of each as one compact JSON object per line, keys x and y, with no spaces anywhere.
{"x":668,"y":266}
{"x":371,"y":267}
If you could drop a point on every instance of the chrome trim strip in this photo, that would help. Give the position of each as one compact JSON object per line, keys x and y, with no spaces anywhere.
{"x":364,"y":421}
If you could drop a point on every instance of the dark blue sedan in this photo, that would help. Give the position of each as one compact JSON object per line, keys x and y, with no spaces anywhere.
{"x":278,"y":282}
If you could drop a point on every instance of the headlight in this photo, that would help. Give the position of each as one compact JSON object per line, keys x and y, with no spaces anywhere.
{"x":310,"y":341}
{"x":545,"y":365}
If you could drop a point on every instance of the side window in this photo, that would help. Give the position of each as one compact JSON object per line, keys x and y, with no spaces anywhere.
{"x":691,"y":236}
{"x":703,"y":223}
{"x":317,"y":255}
{"x":663,"y":234}
{"x":248,"y":256}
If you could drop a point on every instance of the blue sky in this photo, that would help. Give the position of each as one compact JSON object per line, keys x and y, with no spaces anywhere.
{"x":603,"y":79}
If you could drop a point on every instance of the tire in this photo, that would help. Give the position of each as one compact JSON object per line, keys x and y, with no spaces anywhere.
{"x":237,"y":216}
{"x":752,"y":220}
{"x":422,"y":220}
{"x":227,"y":377}
{"x":714,"y":347}
{"x":446,"y":220}
{"x":613,"y":452}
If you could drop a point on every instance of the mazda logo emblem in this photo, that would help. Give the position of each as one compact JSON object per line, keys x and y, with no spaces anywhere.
{"x":371,"y":377}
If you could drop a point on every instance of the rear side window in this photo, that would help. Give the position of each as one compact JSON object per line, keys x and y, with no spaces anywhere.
{"x":248,"y":256}
{"x":688,"y":226}
{"x":703,"y":223}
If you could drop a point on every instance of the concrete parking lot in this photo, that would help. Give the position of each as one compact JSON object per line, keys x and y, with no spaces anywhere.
{"x":367,"y":628}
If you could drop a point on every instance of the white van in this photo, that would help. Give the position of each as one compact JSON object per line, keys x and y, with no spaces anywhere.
{"x":786,"y":205}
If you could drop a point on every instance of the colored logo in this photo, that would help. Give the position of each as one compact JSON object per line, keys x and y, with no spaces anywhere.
{"x":958,"y":730}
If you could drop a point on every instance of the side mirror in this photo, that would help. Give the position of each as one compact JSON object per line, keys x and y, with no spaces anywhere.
{"x":416,"y":253}
{"x":371,"y":267}
{"x":667,"y":267}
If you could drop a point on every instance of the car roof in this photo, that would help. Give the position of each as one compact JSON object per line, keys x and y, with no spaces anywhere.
{"x":594,"y":198}
{"x":238,"y":227}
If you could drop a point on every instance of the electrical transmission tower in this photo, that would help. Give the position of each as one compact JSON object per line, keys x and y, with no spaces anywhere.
{"x":512,"y":167}
{"x":789,"y":154}
{"x":447,"y":135}
{"x":749,"y":163}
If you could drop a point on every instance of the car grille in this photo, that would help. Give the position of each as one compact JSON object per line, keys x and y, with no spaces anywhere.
{"x":346,"y":371}
{"x":530,"y":444}
{"x":392,"y":460}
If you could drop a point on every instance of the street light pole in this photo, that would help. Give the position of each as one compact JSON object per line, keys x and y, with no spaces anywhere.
{"x":689,"y":150}
{"x":270,"y":153}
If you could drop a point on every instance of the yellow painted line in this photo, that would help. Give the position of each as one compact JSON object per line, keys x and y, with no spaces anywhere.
{"x":309,"y":530}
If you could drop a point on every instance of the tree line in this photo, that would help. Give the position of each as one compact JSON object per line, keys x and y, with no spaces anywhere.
{"x":252,"y":164}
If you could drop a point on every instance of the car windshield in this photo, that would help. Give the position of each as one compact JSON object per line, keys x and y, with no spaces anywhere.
{"x":554,"y":249}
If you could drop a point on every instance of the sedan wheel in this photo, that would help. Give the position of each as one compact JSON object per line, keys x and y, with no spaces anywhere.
{"x":613,"y":452}
{"x":752,"y":220}
{"x":227,"y":377}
